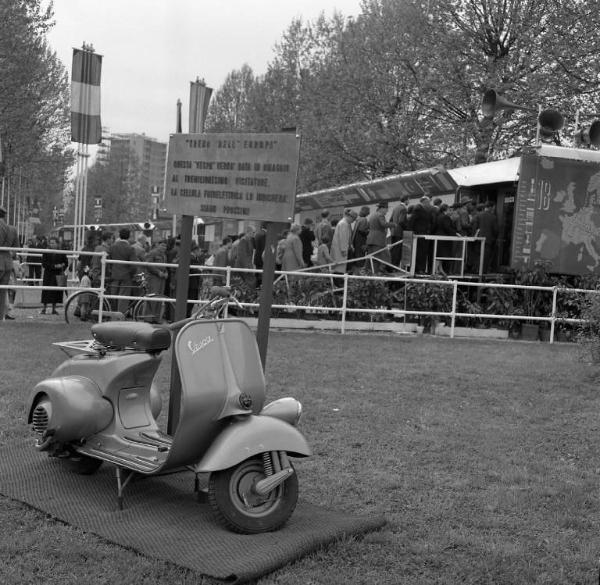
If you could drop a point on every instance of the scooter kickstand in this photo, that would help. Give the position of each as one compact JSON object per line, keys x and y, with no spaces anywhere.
{"x":201,"y":495}
{"x":121,"y":485}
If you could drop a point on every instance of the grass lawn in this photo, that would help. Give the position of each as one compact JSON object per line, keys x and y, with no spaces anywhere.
{"x":482,"y":455}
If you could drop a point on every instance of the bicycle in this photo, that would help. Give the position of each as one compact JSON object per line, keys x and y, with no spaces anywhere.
{"x":152,"y":308}
{"x":216,"y":306}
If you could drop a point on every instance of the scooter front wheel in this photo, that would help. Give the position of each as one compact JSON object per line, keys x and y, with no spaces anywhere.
{"x":240,"y":508}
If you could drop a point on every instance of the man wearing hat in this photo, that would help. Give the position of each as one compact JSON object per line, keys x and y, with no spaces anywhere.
{"x":8,"y":239}
{"x":377,"y":237}
{"x":399,"y":218}
{"x":342,"y":239}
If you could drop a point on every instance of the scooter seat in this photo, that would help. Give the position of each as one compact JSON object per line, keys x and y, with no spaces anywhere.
{"x":140,"y":336}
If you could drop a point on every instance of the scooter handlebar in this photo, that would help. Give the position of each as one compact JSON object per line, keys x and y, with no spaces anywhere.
{"x":179,"y":324}
{"x":219,"y":293}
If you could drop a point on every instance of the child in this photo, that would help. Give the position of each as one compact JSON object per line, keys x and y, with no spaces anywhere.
{"x":83,"y":301}
{"x":323,"y":255}
{"x":15,"y":274}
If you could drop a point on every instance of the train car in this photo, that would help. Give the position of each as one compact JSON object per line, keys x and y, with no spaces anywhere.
{"x":547,"y":202}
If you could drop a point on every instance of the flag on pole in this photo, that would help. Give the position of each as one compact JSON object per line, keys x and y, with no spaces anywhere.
{"x":86,"y":127}
{"x":199,"y":100}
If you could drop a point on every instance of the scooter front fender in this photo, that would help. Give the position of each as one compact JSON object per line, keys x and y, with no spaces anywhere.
{"x":250,"y":436}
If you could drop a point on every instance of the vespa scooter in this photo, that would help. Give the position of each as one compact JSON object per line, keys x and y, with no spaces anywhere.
{"x":101,"y":405}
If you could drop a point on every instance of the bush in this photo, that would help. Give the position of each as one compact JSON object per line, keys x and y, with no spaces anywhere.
{"x":588,"y":334}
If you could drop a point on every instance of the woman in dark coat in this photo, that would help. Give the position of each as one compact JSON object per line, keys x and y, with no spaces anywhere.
{"x":53,"y":265}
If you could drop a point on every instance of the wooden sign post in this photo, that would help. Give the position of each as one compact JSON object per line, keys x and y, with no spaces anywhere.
{"x":245,"y":177}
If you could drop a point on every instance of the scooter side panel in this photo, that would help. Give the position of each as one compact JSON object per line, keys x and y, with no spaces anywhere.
{"x":251,"y":436}
{"x":77,"y":407}
{"x":113,"y":371}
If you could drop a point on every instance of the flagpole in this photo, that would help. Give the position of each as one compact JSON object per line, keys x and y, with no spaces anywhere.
{"x":18,"y":197}
{"x":77,"y":199}
{"x":8,"y":192}
{"x":86,"y":149}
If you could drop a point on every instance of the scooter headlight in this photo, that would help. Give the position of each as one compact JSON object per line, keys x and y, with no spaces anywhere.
{"x":245,"y":400}
{"x":286,"y":409}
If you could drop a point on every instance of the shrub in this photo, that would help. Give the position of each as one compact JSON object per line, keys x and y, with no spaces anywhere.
{"x":588,"y":334}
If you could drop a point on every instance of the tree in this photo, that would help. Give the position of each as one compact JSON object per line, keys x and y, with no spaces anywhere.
{"x":521,"y":48}
{"x":400,"y":86}
{"x":116,"y":182}
{"x":34,"y":107}
{"x":229,"y":106}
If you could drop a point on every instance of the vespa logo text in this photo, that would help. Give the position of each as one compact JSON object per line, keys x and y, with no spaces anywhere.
{"x":196,"y":347}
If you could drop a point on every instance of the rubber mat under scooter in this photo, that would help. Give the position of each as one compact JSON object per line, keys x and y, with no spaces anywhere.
{"x":162,"y":518}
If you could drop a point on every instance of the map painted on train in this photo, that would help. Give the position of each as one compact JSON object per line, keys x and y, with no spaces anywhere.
{"x":557,"y":215}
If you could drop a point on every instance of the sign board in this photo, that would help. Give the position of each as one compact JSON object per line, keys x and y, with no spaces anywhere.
{"x":233,"y":176}
{"x":557,"y":215}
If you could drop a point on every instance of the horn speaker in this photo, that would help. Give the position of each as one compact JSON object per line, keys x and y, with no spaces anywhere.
{"x":492,"y":102}
{"x":550,"y":122}
{"x":589,"y":135}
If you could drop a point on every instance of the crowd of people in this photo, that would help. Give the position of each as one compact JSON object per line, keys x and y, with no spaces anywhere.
{"x":461,"y":219}
{"x":340,"y":246}
{"x":135,"y":256}
{"x":335,"y":246}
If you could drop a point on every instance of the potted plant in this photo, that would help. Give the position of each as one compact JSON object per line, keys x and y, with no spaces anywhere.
{"x":588,"y":335}
{"x":504,"y":301}
{"x":466,"y":305}
{"x":423,"y":296}
{"x":535,"y":303}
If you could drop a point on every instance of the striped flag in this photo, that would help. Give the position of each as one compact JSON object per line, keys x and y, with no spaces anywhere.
{"x":199,"y":100}
{"x":85,"y":97}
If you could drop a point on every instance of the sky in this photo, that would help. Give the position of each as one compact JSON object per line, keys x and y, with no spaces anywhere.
{"x":153,"y":49}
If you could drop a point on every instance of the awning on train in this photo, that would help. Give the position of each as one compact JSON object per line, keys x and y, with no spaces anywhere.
{"x":433,"y":182}
{"x":498,"y":171}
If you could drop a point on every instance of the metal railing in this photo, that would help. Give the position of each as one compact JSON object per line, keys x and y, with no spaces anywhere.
{"x":338,"y":287}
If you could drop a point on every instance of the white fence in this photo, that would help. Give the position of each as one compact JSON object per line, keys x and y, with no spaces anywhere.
{"x":337,"y":290}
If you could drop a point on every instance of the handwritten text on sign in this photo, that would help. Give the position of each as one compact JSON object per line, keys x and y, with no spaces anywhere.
{"x":236,"y":176}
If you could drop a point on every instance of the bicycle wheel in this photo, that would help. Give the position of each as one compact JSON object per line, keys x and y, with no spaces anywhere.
{"x":154,"y":309}
{"x":84,"y":305}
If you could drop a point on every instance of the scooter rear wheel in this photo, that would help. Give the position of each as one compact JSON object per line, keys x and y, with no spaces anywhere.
{"x":240,"y":509}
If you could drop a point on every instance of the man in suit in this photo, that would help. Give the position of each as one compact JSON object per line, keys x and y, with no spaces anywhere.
{"x":121,"y":281}
{"x":259,"y":248}
{"x":420,"y":224}
{"x":485,"y":225}
{"x":9,"y":239}
{"x":307,"y":237}
{"x":245,"y":256}
{"x":377,"y":237}
{"x":398,"y":218}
